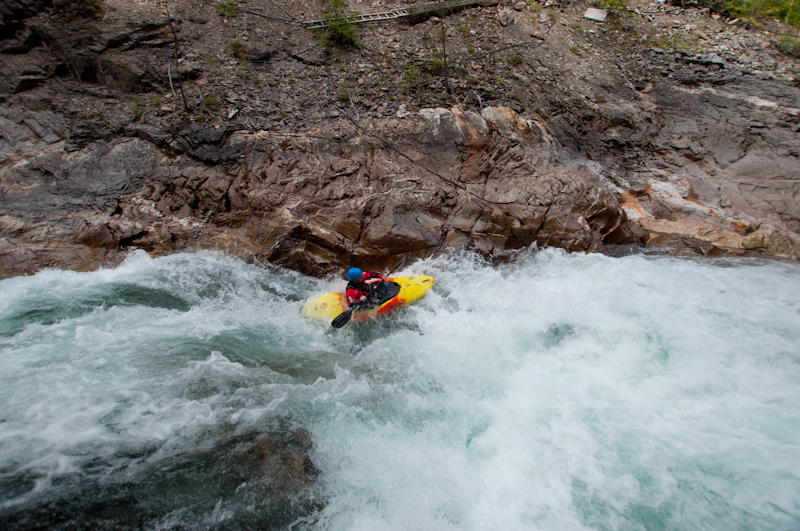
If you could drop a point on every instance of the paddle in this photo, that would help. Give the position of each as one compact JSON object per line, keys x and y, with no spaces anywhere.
{"x":344,"y":317}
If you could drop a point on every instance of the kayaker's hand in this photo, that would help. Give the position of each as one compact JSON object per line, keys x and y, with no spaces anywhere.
{"x":363,"y":298}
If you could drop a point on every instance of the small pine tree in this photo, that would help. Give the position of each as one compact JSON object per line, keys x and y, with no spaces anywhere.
{"x":340,"y":30}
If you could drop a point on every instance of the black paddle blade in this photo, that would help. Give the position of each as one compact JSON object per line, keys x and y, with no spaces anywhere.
{"x":342,"y":318}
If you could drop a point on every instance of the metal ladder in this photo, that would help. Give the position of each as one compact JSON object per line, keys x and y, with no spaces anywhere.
{"x":363,"y":19}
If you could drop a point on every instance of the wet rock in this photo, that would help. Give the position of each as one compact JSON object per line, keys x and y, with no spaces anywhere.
{"x":284,"y":459}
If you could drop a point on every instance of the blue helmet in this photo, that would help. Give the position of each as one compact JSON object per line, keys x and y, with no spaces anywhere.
{"x":353,"y":273}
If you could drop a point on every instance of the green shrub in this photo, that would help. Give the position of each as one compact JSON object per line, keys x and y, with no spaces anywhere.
{"x":411,"y":79}
{"x":137,"y":107}
{"x":613,"y":5}
{"x":789,"y":45}
{"x":471,"y":48}
{"x":209,"y":103}
{"x":339,"y":30}
{"x":463,"y":30}
{"x":227,"y":9}
{"x":434,"y":67}
{"x":516,"y":60}
{"x":85,"y":8}
{"x":237,"y":49}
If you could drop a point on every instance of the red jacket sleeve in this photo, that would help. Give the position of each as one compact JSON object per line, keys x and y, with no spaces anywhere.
{"x":372,"y":274}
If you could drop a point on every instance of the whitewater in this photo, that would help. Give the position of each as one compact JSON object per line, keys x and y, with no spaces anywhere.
{"x":554,"y":392}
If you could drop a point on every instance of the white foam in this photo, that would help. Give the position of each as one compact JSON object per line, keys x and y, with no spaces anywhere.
{"x":557,"y":392}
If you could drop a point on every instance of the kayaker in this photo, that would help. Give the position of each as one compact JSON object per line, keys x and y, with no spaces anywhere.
{"x":357,"y":291}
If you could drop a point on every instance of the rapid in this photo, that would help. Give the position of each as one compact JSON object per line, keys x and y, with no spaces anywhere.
{"x":555,"y":392}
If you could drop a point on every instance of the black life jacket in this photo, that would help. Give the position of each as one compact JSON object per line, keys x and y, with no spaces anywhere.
{"x":360,"y":285}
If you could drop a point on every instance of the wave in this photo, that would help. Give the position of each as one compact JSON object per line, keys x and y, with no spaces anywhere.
{"x":552,"y":392}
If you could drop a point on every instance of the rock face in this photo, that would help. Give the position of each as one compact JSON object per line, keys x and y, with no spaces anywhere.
{"x":312,"y":202}
{"x":318,"y":161}
{"x":721,"y":165}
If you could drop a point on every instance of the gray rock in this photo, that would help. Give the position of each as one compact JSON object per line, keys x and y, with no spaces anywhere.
{"x":43,"y":127}
{"x":506,"y":17}
{"x":707,"y":59}
{"x":28,"y":82}
{"x":773,"y":240}
{"x":25,"y":44}
{"x":154,"y":135}
{"x":724,"y":80}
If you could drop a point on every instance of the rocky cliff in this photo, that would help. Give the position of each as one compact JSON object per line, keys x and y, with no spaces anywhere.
{"x":664,"y":127}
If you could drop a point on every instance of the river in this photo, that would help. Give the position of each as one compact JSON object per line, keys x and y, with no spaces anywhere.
{"x":557,"y":391}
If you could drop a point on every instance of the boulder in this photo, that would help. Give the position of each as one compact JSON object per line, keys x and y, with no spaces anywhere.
{"x":284,"y":460}
{"x":506,"y":17}
{"x":774,"y":240}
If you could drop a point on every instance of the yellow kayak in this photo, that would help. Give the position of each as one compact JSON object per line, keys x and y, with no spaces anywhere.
{"x":328,"y":306}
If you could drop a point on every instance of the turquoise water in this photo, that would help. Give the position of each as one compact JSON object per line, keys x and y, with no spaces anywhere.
{"x":555,"y":392}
